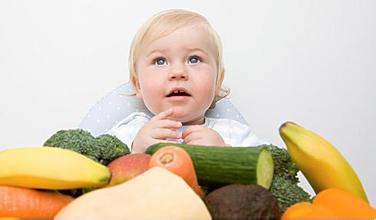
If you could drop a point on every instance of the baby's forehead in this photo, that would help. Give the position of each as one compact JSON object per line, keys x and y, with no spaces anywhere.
{"x":188,"y":37}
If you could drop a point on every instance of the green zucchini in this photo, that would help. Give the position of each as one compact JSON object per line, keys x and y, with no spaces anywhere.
{"x":219,"y":166}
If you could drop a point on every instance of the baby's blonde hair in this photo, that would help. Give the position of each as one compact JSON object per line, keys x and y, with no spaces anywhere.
{"x":163,"y":24}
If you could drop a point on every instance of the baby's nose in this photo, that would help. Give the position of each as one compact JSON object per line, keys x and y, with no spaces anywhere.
{"x":178,"y":76}
{"x":178,"y":73}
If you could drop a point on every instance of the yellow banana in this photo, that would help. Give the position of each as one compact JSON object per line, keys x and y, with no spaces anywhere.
{"x":50,"y":168}
{"x":321,"y":163}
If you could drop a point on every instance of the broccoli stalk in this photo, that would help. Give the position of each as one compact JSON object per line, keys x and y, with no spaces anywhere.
{"x":285,"y":180}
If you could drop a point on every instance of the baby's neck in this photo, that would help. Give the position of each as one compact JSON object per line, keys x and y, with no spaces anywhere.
{"x":199,"y":121}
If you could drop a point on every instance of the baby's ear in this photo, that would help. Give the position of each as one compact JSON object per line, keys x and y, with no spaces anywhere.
{"x":136,"y":86}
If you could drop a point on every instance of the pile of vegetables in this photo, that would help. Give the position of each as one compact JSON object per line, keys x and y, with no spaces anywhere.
{"x":176,"y":181}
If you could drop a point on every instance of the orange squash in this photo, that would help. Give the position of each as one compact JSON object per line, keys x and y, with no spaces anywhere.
{"x":331,"y":204}
{"x":344,"y":204}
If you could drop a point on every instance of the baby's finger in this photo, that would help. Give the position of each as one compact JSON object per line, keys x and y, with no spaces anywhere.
{"x":166,"y":123}
{"x":164,"y":133}
{"x":190,"y":137}
{"x":163,"y":115}
{"x":191,"y":129}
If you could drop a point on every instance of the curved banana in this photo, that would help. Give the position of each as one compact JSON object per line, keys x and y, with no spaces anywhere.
{"x":321,"y":163}
{"x":50,"y":168}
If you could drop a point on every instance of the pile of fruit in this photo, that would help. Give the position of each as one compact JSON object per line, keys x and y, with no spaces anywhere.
{"x":73,"y":176}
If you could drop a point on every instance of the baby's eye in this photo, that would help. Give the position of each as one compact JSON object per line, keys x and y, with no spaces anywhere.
{"x":160,"y":61}
{"x":194,"y":59}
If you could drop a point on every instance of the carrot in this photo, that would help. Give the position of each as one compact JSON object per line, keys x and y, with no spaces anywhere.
{"x":178,"y":161}
{"x":30,"y":203}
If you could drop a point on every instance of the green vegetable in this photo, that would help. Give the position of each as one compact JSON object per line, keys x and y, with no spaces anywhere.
{"x":110,"y":148}
{"x":219,"y":166}
{"x":285,"y":180}
{"x":102,"y":149}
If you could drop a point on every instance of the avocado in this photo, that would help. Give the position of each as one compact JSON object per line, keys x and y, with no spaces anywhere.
{"x":238,"y":201}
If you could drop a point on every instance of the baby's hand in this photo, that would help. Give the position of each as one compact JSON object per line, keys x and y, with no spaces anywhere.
{"x":158,"y":129}
{"x":200,"y":135}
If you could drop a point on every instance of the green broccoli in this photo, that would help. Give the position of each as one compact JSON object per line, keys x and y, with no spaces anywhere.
{"x":75,"y":139}
{"x":110,"y":148}
{"x":285,"y":180}
{"x":102,"y":149}
{"x":287,"y":192}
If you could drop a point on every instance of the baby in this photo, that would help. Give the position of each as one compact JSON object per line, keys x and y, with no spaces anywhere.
{"x":176,"y":69}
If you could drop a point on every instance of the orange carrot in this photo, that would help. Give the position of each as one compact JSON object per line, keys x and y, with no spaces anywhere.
{"x":178,"y":161}
{"x":30,"y":203}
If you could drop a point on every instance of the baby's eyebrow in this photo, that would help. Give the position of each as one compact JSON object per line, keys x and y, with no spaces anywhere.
{"x":156,"y":51}
{"x":166,"y":50}
{"x":197,"y":49}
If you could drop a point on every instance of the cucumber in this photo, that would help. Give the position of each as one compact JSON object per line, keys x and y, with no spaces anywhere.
{"x":219,"y":166}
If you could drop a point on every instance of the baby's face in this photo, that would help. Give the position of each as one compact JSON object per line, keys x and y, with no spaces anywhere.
{"x":178,"y":71}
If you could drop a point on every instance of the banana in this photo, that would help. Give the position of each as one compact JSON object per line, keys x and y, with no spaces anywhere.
{"x":321,"y":163}
{"x":50,"y":168}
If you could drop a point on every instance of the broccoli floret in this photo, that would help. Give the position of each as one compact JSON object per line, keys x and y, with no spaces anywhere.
{"x":102,"y":149}
{"x":285,"y":179}
{"x":110,"y":148}
{"x":77,"y":140}
{"x":283,"y":165}
{"x":287,"y":192}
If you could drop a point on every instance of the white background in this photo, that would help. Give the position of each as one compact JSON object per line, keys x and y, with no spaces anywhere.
{"x":312,"y":62}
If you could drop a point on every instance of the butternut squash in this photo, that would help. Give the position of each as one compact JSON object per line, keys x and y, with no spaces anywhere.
{"x":155,"y":194}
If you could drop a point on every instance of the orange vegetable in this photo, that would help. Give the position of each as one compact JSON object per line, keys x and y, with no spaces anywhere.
{"x":178,"y":161}
{"x":345,"y":204}
{"x":30,"y":203}
{"x":331,"y":204}
{"x":306,"y":210}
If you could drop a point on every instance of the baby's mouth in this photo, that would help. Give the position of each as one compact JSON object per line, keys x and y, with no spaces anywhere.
{"x":178,"y":92}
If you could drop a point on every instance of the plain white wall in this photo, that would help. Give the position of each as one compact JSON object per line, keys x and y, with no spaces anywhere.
{"x":312,"y":62}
